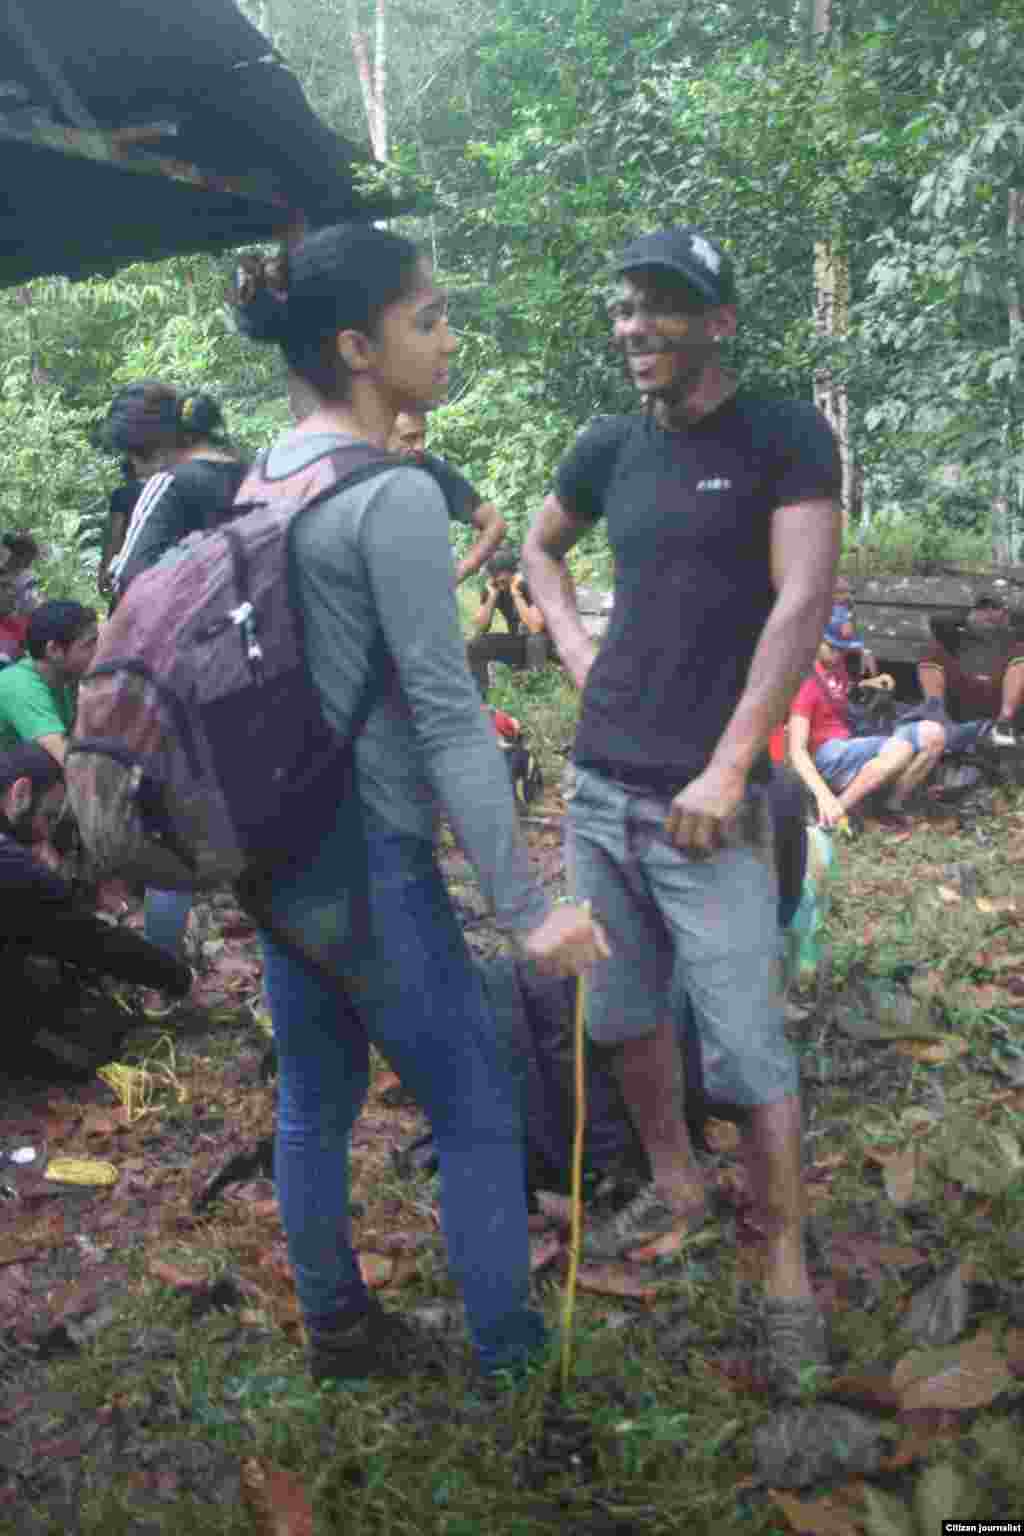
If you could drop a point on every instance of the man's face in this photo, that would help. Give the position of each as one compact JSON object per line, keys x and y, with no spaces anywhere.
{"x":74,"y":660}
{"x":667,"y":335}
{"x":843,"y":592}
{"x":503,"y":580}
{"x":32,"y":820}
{"x":409,"y":436}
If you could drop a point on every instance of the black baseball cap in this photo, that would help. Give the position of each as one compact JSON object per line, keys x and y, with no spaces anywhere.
{"x":690,"y":254}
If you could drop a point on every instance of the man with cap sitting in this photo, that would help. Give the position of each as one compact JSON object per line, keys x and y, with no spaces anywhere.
{"x":841,"y":769}
{"x":975,"y":670}
{"x":722,"y":509}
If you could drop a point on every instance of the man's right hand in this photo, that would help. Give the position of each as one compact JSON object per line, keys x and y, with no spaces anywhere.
{"x":567,"y":942}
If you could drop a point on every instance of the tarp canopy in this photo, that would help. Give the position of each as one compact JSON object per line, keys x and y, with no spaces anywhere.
{"x":134,"y":129}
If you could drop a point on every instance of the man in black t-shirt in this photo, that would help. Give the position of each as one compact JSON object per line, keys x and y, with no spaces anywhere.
{"x":722,"y":512}
{"x":43,"y":926}
{"x":465,"y":505}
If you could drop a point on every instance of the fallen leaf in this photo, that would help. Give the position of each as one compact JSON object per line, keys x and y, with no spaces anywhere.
{"x":969,"y":1375}
{"x":933,"y":1052}
{"x":817,"y":1517}
{"x":376,"y":1269}
{"x":876,"y":1010}
{"x":939,"y":1496}
{"x":613,"y":1280}
{"x":866,"y":1389}
{"x":721,"y":1135}
{"x":991,"y":905}
{"x":1014,"y":1343}
{"x":938,"y":1312}
{"x":900,"y":1167}
{"x":543,"y":1250}
{"x":980,"y":1158}
{"x":177,"y":1278}
{"x":948,"y":894}
{"x":886,"y":1515}
{"x":557,"y":1208}
{"x":669,"y":1243}
{"x":99,"y":1122}
{"x":276,"y":1499}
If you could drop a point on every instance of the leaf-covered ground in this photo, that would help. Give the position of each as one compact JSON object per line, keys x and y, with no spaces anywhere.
{"x":150,"y":1353}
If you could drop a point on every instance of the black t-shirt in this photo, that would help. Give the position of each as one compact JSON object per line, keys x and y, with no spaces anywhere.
{"x":462,"y":499}
{"x":195,"y":495}
{"x":689,"y":519}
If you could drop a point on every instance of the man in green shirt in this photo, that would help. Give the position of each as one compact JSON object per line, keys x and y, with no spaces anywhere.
{"x":37,"y":693}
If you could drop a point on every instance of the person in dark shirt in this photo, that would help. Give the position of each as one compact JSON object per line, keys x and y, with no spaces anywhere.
{"x":721,"y":508}
{"x":975,"y":670}
{"x":193,"y":476}
{"x":464,"y":503}
{"x":526,"y":643}
{"x":119,"y":514}
{"x":41,"y":920}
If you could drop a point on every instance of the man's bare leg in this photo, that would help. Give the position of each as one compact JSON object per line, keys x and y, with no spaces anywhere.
{"x":890,"y":762}
{"x":650,"y":1074}
{"x":771,"y":1144}
{"x":1013,"y":690}
{"x":932,"y":742}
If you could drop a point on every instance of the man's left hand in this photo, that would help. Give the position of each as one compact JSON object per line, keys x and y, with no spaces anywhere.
{"x":517,"y":584}
{"x":700,"y":812}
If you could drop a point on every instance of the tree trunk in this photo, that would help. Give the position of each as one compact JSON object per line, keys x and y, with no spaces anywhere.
{"x":1008,"y":505}
{"x":832,"y":299}
{"x":372,"y":75}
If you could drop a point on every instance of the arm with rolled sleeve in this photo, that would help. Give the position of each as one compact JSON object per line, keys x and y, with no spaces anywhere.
{"x":404,"y":543}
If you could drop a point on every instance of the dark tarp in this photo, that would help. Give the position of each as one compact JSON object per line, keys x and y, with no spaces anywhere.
{"x":230,"y":150}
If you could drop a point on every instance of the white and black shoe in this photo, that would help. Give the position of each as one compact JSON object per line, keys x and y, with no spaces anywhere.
{"x":1002,"y":734}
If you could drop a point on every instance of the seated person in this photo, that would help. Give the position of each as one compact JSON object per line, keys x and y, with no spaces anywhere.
{"x":843,"y":615}
{"x":465,"y":505}
{"x":526,"y":643}
{"x":975,"y":671}
{"x":18,"y":592}
{"x":37,"y":700}
{"x":841,"y":769}
{"x":43,"y":931}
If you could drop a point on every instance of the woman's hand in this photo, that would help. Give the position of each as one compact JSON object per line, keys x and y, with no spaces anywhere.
{"x":568,"y":941}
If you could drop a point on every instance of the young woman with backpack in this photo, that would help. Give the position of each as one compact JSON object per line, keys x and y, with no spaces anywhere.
{"x":190,"y":475}
{"x":365,"y":331}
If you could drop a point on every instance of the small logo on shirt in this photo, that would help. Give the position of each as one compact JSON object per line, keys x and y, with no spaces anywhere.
{"x":714,"y":485}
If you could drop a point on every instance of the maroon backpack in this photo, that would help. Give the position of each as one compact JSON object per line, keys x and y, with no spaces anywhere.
{"x":200,"y":751}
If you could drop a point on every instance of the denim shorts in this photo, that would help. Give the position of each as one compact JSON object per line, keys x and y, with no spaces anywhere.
{"x":839,"y":761}
{"x":708,"y":925}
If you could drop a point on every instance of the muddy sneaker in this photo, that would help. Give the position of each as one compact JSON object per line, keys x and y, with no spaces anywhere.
{"x":795,"y":1347}
{"x":647,"y":1216}
{"x":379,"y":1343}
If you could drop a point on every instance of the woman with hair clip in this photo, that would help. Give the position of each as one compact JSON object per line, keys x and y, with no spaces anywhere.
{"x":364,"y":330}
{"x":177,"y":445}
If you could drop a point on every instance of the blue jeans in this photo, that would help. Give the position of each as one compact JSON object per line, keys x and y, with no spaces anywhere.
{"x":166,"y":918}
{"x":405,"y":983}
{"x":840,"y":760}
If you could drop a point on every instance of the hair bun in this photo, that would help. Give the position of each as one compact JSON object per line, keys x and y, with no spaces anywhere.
{"x":200,"y":414}
{"x":261,"y":297}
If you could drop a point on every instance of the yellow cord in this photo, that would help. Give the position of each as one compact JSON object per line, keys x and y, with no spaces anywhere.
{"x":576,"y":1196}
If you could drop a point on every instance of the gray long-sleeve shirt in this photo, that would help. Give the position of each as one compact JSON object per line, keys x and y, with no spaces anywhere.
{"x":379,"y":553}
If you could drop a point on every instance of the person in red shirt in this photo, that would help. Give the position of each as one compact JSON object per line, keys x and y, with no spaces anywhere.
{"x":841,"y":769}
